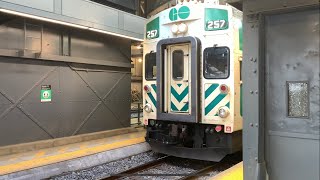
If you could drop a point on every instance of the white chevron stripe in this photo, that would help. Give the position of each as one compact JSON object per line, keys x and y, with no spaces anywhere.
{"x":178,"y":104}
{"x":206,"y":87}
{"x":223,"y":102}
{"x":179,"y":89}
{"x":149,"y":101}
{"x":212,"y":96}
{"x":154,"y":94}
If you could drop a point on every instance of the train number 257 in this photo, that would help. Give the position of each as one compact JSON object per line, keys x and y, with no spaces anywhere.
{"x":152,"y":33}
{"x":216,"y":24}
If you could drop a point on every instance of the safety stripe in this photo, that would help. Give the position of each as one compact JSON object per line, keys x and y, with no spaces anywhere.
{"x":227,"y":105}
{"x":210,"y":90}
{"x":181,"y":96}
{"x":154,"y":87}
{"x":185,"y":107}
{"x":173,"y":107}
{"x":214,"y":103}
{"x":151,"y":96}
{"x":154,"y":102}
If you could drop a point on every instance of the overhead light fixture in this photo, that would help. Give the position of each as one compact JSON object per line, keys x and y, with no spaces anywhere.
{"x":42,"y":18}
{"x":66,"y":24}
{"x":115,"y":34}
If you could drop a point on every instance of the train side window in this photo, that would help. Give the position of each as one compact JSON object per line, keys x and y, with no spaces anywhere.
{"x":216,"y":63}
{"x":150,"y":66}
{"x":177,"y":64}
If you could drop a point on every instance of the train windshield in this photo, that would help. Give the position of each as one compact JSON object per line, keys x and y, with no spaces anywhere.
{"x":216,"y":62}
{"x":150,"y":66}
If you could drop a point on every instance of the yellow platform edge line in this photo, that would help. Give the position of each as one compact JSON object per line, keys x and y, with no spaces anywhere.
{"x":24,"y":165}
{"x":233,"y":173}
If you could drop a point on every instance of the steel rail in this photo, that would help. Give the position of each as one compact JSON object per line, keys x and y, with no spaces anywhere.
{"x":136,"y":169}
{"x":205,"y":171}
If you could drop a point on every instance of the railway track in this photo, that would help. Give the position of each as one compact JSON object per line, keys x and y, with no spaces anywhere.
{"x":130,"y":172}
{"x":169,"y":167}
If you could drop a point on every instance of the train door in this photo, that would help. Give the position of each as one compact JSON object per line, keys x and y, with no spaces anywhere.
{"x":292,"y":96}
{"x":178,"y":79}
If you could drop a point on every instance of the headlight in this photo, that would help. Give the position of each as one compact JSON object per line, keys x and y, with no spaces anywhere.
{"x":223,"y":112}
{"x":183,"y":28}
{"x":147,"y":108}
{"x":174,"y":29}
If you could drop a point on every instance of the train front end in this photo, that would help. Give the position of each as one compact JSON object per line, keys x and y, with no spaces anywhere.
{"x":192,"y":57}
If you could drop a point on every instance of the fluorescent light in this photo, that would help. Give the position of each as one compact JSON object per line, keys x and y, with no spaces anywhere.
{"x":42,"y":18}
{"x":115,"y":34}
{"x":66,"y":24}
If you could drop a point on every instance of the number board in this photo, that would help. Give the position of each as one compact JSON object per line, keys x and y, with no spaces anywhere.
{"x":216,"y":19}
{"x":152,"y":30}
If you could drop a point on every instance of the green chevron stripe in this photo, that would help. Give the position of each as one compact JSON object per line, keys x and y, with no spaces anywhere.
{"x":154,"y":102}
{"x":154,"y":87}
{"x":210,"y":90}
{"x":173,"y":107}
{"x":180,"y":97}
{"x":185,"y":107}
{"x":179,"y":85}
{"x":214,"y":103}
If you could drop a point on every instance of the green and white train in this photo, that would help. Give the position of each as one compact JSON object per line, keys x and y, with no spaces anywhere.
{"x":192,"y":80}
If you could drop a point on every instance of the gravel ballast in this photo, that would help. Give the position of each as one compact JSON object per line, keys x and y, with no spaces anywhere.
{"x":110,"y":168}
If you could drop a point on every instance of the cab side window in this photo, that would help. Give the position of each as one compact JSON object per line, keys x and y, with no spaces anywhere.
{"x":216,"y":63}
{"x":150,"y":66}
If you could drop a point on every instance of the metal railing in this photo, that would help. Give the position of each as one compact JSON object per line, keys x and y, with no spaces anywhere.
{"x":138,"y":111}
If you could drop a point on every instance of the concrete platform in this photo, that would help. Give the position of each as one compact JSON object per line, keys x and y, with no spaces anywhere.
{"x":233,"y":173}
{"x":62,"y":157}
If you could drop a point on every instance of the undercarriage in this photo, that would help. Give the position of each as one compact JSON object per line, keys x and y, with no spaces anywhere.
{"x":192,"y":140}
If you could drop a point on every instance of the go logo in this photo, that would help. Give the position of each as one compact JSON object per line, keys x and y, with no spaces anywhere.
{"x":182,"y":13}
{"x":46,"y":94}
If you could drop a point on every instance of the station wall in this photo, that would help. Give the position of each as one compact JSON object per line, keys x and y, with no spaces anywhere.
{"x":89,"y":76}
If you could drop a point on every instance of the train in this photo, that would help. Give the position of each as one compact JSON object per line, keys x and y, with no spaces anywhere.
{"x":192,"y":80}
